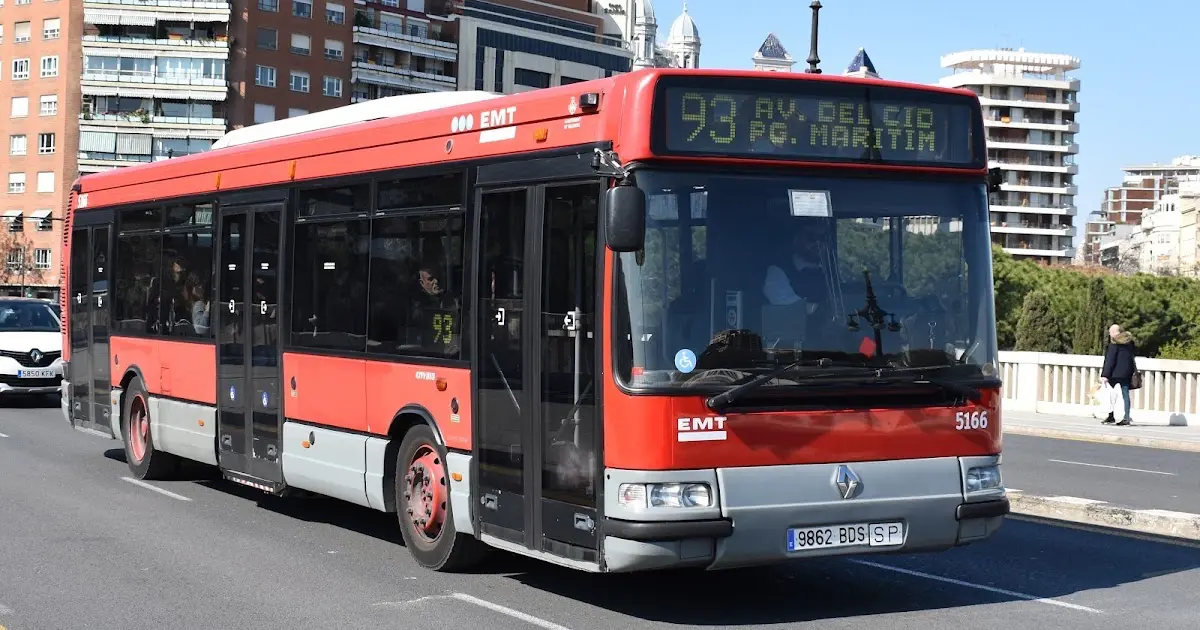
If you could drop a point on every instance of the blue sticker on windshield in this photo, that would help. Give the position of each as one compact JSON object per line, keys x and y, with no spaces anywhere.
{"x":685,"y":361}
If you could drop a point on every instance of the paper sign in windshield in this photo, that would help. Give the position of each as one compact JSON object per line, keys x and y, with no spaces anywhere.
{"x":810,"y":203}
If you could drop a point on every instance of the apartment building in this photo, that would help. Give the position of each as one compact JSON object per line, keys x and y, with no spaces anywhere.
{"x":290,"y":58}
{"x":1142,"y":187}
{"x":1029,"y":104}
{"x":403,"y":47}
{"x":1189,"y":231}
{"x":39,"y":66}
{"x":154,"y":80}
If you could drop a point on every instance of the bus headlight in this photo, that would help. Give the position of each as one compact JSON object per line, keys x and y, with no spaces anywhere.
{"x":983,"y":478}
{"x":639,"y":496}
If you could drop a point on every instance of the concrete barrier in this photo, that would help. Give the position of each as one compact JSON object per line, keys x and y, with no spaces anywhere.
{"x":1092,"y":512}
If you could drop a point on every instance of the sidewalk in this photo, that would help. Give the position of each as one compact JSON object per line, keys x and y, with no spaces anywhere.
{"x":1179,"y":438}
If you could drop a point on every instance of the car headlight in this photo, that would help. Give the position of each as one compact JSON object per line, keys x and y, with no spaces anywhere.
{"x":983,"y":478}
{"x":639,"y":496}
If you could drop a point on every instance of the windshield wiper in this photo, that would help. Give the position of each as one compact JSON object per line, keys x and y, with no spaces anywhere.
{"x":728,"y":396}
{"x":908,"y":375}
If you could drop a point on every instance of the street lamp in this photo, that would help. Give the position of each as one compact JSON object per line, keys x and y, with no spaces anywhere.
{"x":813,"y":59}
{"x":25,"y":264}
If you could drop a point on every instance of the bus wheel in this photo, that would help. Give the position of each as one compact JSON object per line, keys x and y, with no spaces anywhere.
{"x":423,"y":506}
{"x":144,"y":461}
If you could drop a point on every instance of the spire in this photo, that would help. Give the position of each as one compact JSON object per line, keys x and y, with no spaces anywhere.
{"x":861,"y":66}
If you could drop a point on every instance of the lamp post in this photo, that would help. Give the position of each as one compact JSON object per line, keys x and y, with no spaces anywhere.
{"x":813,"y":59}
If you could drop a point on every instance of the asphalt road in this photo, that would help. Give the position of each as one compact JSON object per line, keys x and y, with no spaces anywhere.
{"x":1130,"y":476}
{"x":80,"y":547}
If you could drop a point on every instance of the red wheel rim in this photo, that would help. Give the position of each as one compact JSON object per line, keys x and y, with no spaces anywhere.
{"x":425,"y":493}
{"x":139,"y":428}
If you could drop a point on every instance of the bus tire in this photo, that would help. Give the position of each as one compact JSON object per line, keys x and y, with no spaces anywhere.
{"x":423,"y":506}
{"x":144,"y":461}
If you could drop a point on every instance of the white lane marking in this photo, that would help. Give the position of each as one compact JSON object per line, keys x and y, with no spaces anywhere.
{"x":5,"y":610}
{"x":482,"y":603}
{"x":167,"y":493}
{"x":981,"y":587}
{"x":3,"y":435}
{"x":504,"y":610}
{"x":1152,"y":472}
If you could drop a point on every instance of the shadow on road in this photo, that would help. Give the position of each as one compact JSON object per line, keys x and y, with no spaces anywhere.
{"x":1040,"y":560}
{"x":52,"y":401}
{"x":1035,"y":559}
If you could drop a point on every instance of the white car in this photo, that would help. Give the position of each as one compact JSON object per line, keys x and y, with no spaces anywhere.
{"x":30,"y":347}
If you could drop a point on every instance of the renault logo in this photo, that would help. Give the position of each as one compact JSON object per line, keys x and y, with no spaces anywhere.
{"x":847,"y":482}
{"x":36,"y":355}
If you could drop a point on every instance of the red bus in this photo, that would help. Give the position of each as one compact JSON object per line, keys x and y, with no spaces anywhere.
{"x":506,"y":319}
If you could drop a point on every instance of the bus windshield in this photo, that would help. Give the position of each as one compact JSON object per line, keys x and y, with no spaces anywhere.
{"x":741,"y":274}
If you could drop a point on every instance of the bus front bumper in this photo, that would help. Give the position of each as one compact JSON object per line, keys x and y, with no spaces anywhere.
{"x":770,"y":514}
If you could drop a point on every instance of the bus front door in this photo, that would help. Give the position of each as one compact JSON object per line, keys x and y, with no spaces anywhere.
{"x":537,"y":427}
{"x":88,"y":371}
{"x":249,"y":412}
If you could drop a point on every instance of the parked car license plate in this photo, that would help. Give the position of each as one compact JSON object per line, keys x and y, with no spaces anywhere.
{"x":847,"y":535}
{"x":37,"y":373}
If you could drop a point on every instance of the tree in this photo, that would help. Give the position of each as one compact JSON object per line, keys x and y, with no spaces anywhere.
{"x":1090,"y":320}
{"x":1038,"y":329}
{"x":16,"y":259}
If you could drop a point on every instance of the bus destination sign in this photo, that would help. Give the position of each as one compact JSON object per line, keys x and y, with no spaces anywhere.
{"x":852,"y":123}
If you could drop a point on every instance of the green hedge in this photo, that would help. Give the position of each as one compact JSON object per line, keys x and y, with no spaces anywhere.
{"x":1049,"y":309}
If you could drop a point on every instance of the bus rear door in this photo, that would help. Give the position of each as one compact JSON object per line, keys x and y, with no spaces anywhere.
{"x":88,"y":371}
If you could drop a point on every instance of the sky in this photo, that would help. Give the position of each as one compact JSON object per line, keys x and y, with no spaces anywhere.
{"x":1138,"y":60}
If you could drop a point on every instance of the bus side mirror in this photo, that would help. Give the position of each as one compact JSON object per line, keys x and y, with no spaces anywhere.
{"x":625,"y":218}
{"x":995,"y":178}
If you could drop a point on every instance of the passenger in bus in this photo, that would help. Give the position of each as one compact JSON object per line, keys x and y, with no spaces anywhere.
{"x":200,"y":305}
{"x":803,"y":275}
{"x":432,"y":318}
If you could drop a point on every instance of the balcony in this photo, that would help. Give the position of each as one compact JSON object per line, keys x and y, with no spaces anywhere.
{"x":147,"y":12}
{"x":396,"y":40}
{"x":1027,"y":123}
{"x":172,"y":44}
{"x":1049,"y":189}
{"x":136,"y":120}
{"x":1071,"y":148}
{"x":106,"y":82}
{"x":1032,"y":227}
{"x":1029,"y":104}
{"x":1018,"y":164}
{"x":403,"y":78}
{"x":1061,"y":210}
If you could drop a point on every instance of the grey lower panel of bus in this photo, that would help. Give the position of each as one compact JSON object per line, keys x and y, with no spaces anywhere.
{"x":185,"y":429}
{"x":762,"y":503}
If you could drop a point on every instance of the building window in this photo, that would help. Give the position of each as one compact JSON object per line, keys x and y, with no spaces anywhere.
{"x":16,"y":183}
{"x":17,"y":145}
{"x":332,"y":86}
{"x":302,"y":8}
{"x":22,"y":32}
{"x":20,"y":69}
{"x":298,"y":81}
{"x":531,"y":78}
{"x":268,"y":38}
{"x":335,"y":13}
{"x":268,"y":5}
{"x":296,"y":111}
{"x":264,"y":76}
{"x":48,"y":105}
{"x":50,"y":66}
{"x":334,"y":50}
{"x":301,"y":44}
{"x":16,"y":257}
{"x":263,"y":113}
{"x":45,"y":143}
{"x":51,"y":27}
{"x":45,"y":182}
{"x":23,"y":2}
{"x":20,"y":106}
{"x":41,"y":258}
{"x":45,"y":223}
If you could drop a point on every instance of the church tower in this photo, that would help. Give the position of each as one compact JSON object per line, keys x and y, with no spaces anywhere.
{"x":683,"y":44}
{"x":772,"y":56}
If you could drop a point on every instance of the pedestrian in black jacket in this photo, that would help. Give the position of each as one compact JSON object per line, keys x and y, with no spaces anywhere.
{"x":1118,"y":370}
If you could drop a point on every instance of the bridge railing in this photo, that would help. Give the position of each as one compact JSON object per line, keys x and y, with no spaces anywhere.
{"x":1064,"y":384}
